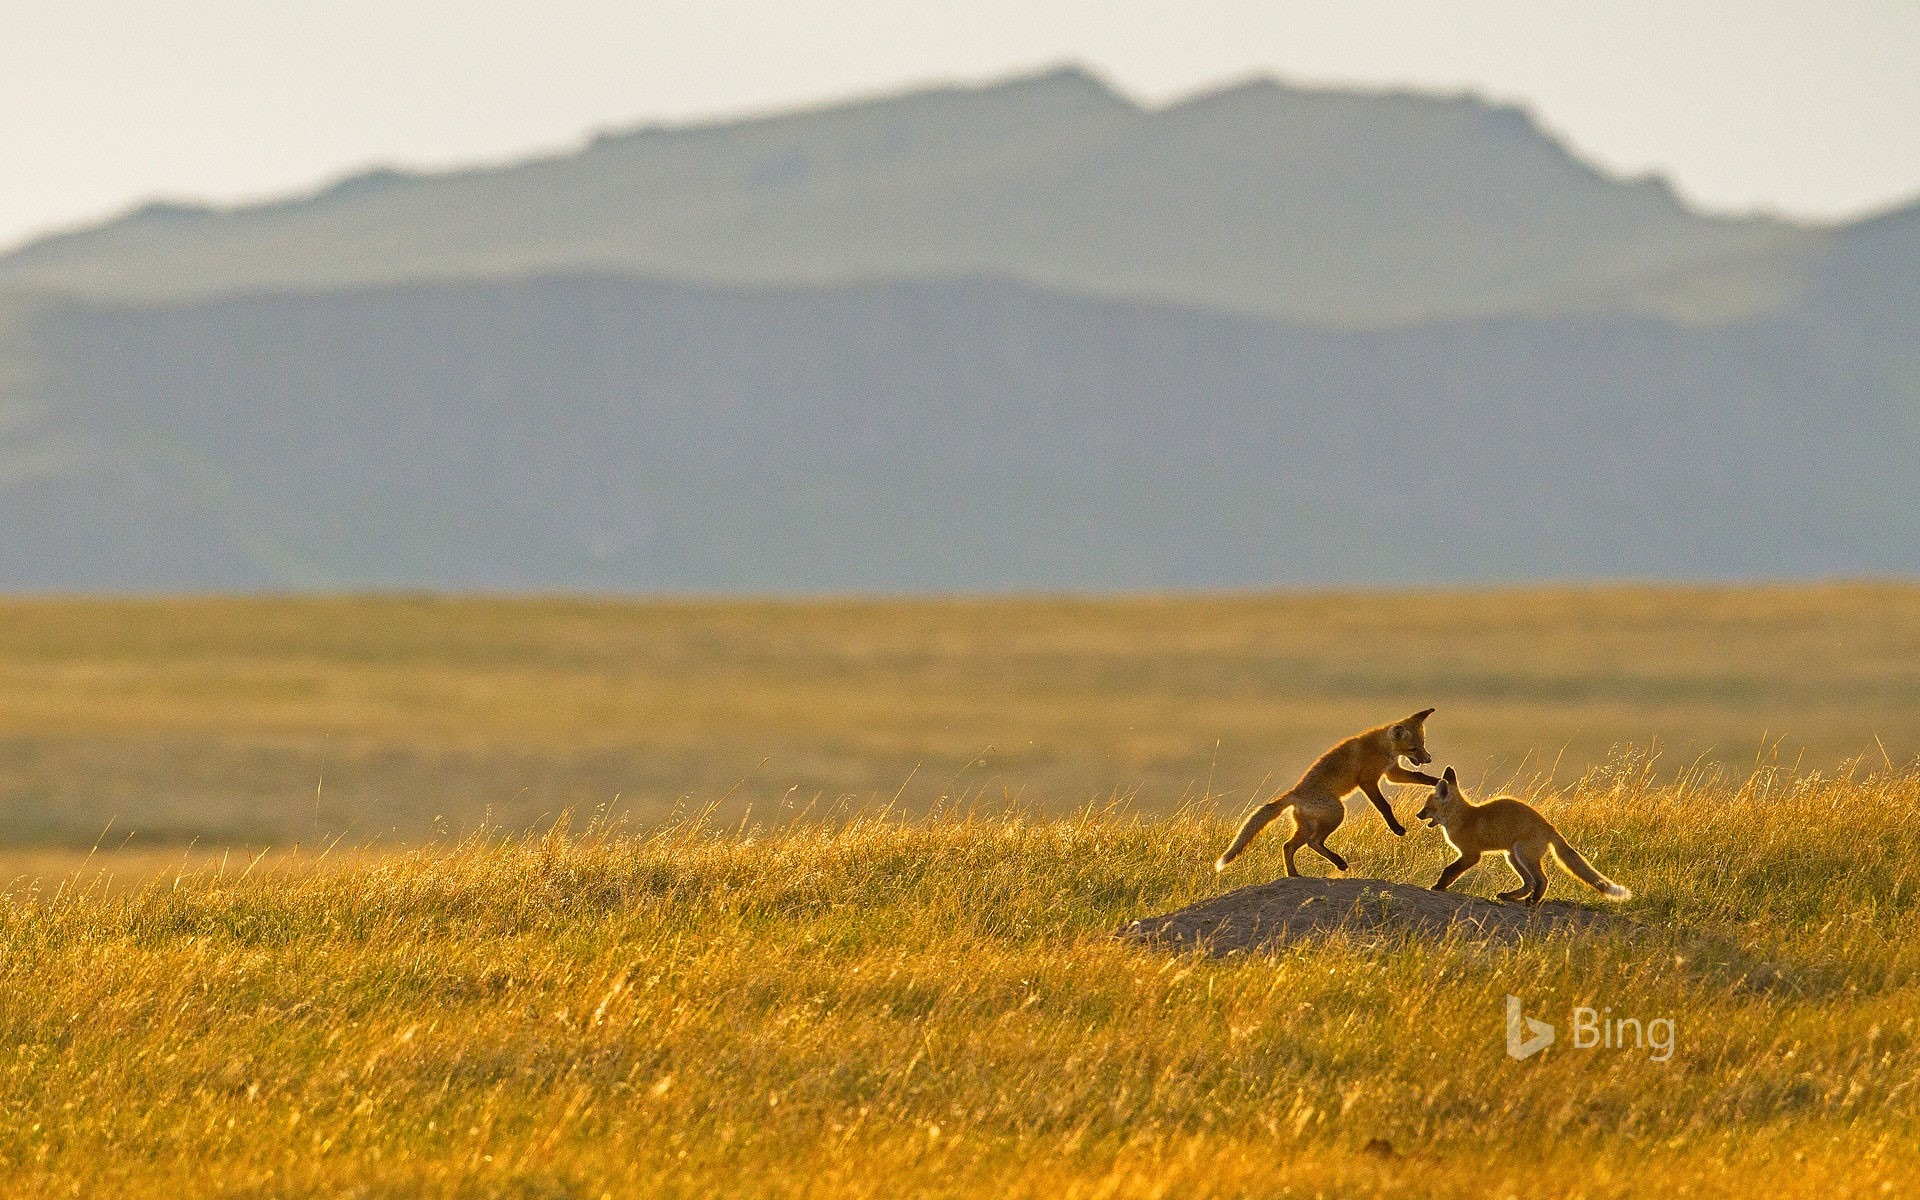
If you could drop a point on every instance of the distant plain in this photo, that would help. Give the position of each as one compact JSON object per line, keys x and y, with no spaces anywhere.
{"x":385,"y":721}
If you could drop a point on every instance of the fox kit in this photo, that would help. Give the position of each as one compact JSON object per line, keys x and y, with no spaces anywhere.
{"x":1511,"y":827}
{"x":1359,"y":762}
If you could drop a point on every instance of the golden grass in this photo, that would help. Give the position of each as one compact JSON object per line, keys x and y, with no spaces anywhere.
{"x":935,"y":1007}
{"x":268,"y":721}
{"x":816,"y":1000}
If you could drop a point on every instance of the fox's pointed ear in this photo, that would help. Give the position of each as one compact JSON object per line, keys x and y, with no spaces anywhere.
{"x":1420,"y":716}
{"x":1450,"y":776}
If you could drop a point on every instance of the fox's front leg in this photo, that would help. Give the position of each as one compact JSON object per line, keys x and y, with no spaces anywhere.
{"x":1454,"y":870}
{"x":1372,"y":790}
{"x":1399,"y":774}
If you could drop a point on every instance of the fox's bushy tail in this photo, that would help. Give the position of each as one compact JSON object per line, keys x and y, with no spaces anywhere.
{"x":1257,"y":820}
{"x":1571,"y":860}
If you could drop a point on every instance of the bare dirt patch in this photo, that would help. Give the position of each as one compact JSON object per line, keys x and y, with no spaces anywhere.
{"x":1270,"y":915}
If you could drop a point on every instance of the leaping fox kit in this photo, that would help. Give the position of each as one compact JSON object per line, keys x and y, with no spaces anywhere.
{"x":1507,"y":826}
{"x":1359,"y":763}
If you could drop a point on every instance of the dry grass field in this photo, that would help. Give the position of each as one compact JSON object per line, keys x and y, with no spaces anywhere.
{"x":265,"y":722}
{"x":935,"y":1007}
{"x":825,"y":997}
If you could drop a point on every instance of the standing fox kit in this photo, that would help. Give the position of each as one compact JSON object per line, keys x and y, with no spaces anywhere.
{"x":1360,"y":763}
{"x":1507,"y":826}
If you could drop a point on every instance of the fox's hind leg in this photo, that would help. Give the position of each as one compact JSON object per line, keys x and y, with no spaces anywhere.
{"x":1527,"y":863}
{"x":1516,"y":858}
{"x":1319,"y":846}
{"x":1539,"y":882}
{"x":1298,"y":840}
{"x":1314,"y":818}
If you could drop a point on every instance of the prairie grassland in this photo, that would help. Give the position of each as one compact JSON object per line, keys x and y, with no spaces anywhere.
{"x":934,"y":1006}
{"x":268,"y":721}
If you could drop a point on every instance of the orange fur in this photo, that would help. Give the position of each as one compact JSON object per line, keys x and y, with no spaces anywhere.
{"x":1511,"y":827}
{"x":1359,"y":763}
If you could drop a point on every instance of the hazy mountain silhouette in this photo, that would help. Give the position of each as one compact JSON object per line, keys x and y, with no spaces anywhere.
{"x":1029,"y":335}
{"x":1261,"y":200}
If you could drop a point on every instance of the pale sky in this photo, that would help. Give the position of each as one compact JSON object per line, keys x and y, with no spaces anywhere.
{"x":1809,"y":108}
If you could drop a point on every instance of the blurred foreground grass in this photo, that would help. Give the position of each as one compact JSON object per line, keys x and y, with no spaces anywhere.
{"x":935,"y":1007}
{"x":269,"y":721}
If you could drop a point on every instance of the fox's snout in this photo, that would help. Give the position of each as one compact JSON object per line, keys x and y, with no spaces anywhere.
{"x":1430,"y":811}
{"x":1419,"y":758}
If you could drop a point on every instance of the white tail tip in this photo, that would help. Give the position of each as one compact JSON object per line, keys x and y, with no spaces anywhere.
{"x":1219,"y":864}
{"x":1615,"y":892}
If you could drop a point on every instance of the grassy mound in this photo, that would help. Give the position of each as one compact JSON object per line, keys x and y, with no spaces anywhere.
{"x":1285,"y":911}
{"x":939,"y":1008}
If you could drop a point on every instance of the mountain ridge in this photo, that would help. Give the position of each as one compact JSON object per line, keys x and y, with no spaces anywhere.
{"x":1085,"y":79}
{"x":1030,"y":336}
{"x":1227,"y":199}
